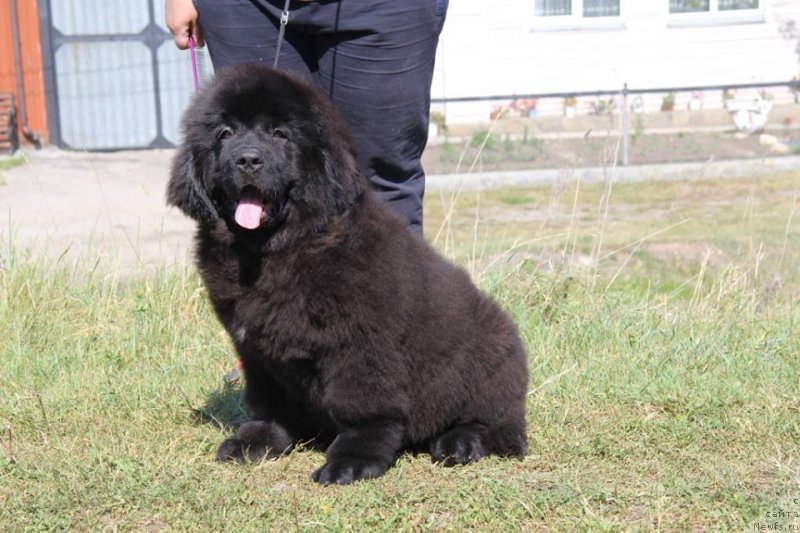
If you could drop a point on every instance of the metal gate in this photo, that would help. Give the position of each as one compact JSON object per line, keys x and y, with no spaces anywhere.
{"x":115,"y":78}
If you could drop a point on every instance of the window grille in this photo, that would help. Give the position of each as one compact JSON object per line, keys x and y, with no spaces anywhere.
{"x":588,"y":8}
{"x":688,"y":6}
{"x":729,"y":5}
{"x":551,"y":8}
{"x":601,"y":8}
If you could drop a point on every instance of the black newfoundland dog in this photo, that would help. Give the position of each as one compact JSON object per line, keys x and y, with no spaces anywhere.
{"x":354,"y":334}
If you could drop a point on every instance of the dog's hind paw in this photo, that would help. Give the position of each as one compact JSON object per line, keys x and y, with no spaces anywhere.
{"x":254,"y":441}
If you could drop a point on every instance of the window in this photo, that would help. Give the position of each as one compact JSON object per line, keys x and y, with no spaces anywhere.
{"x":587,"y":8}
{"x":728,"y":5}
{"x":693,"y":12}
{"x":600,"y":8}
{"x":694,"y":6}
{"x":688,"y":6}
{"x":577,"y":14}
{"x":553,"y":8}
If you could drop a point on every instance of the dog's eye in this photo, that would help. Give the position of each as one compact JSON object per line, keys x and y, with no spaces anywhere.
{"x":225,"y":133}
{"x":279,"y":134}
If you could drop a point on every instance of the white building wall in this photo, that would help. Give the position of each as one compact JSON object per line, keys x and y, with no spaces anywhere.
{"x":499,"y":48}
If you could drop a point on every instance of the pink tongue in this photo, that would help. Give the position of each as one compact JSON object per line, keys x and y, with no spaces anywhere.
{"x":249,"y":211}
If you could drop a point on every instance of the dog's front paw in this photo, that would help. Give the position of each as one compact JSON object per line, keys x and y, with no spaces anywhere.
{"x":344,"y":470}
{"x":254,"y":441}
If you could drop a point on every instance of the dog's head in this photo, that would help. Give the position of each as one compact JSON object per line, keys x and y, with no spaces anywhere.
{"x":265,"y":153}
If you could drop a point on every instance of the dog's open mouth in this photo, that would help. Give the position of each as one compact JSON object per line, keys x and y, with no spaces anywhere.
{"x":252,"y":209}
{"x":255,"y":209}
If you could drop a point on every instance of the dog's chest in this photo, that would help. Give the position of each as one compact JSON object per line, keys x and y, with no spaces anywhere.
{"x":288,"y":307}
{"x":266,"y":316}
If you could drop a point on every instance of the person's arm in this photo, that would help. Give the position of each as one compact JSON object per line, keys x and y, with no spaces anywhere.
{"x":181,"y":19}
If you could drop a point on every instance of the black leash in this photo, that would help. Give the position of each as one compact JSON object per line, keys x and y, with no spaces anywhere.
{"x":281,"y":32}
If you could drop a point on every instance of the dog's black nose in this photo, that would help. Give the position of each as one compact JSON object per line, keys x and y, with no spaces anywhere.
{"x":249,"y":160}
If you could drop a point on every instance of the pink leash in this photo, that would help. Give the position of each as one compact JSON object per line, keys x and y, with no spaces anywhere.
{"x":195,"y":78}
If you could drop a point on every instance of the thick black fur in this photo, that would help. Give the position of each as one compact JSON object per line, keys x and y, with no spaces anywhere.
{"x":353,"y":332}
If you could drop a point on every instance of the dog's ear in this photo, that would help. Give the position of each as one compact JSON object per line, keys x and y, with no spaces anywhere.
{"x":343,"y":180}
{"x":185,"y":191}
{"x":340,"y":164}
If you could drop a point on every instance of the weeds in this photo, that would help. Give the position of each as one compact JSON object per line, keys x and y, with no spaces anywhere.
{"x":486,"y":149}
{"x":638,"y":128}
{"x":483,"y":138}
{"x":521,"y":149}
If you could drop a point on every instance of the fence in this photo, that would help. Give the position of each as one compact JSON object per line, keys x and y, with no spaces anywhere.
{"x":747,"y":115}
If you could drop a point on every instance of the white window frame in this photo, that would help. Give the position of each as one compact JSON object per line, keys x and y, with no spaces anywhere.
{"x":715,"y":17}
{"x":576,"y":21}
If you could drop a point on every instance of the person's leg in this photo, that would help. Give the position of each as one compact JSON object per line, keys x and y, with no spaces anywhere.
{"x":245,"y":31}
{"x":376,"y":62}
{"x":374,"y":58}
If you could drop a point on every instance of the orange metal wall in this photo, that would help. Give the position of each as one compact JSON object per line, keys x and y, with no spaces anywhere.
{"x":31,"y":53}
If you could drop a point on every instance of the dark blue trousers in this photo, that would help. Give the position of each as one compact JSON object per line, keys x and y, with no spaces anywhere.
{"x":374,"y":58}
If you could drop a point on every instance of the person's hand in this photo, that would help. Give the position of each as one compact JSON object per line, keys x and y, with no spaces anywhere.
{"x":181,"y":18}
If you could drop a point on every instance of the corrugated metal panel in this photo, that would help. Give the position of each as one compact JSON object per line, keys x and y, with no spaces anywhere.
{"x":106,"y":94}
{"x":121,"y":82}
{"x":99,"y":17}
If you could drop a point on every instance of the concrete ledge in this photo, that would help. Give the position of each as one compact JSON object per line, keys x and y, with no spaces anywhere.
{"x":730,"y":169}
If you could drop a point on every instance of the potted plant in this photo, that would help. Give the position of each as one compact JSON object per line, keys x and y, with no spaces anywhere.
{"x":668,"y":102}
{"x":638,"y":105}
{"x":526,"y":107}
{"x":437,"y":124}
{"x":696,"y":101}
{"x":532,"y":107}
{"x":570,"y":104}
{"x":728,"y":97}
{"x":498,"y":112}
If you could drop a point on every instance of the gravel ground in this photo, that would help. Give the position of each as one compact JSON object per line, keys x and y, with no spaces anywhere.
{"x":81,"y":206}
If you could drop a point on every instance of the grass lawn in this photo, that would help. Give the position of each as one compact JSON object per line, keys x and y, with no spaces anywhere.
{"x":661,"y":321}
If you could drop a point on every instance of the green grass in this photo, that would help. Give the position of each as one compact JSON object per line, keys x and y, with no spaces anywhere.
{"x":9,"y":162}
{"x":664,"y":394}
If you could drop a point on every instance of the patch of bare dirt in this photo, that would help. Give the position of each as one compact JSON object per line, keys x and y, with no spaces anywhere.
{"x":687,"y":252}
